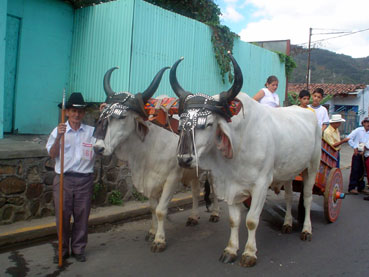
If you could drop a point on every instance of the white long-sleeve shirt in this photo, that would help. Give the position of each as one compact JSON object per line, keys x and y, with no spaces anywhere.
{"x":357,"y":136}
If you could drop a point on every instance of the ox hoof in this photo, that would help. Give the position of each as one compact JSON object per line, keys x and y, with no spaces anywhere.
{"x":157,"y":247}
{"x":247,"y":261}
{"x":306,"y":236}
{"x":227,"y":258}
{"x":150,"y":237}
{"x":192,"y":222}
{"x":214,"y":218}
{"x":286,"y":229}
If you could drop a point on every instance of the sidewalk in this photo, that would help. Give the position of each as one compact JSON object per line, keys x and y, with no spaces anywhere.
{"x":24,"y":231}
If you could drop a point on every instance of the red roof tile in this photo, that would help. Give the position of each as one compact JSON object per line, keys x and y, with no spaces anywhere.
{"x":332,"y":89}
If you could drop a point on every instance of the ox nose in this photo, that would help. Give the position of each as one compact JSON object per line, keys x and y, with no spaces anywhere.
{"x":184,"y":160}
{"x":99,"y":149}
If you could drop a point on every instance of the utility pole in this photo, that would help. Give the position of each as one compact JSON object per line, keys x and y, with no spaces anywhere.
{"x":308,"y":62}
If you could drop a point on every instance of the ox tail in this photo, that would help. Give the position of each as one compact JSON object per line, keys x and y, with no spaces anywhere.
{"x":207,"y":194}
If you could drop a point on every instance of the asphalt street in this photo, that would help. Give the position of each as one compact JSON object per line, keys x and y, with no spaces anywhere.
{"x":337,"y":249}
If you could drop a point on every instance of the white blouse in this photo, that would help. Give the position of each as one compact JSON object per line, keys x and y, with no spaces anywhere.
{"x":270,"y":99}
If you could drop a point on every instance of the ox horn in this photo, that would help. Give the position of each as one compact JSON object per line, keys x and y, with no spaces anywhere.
{"x":178,"y":90}
{"x":149,"y":92}
{"x":107,"y":87}
{"x":237,"y":83}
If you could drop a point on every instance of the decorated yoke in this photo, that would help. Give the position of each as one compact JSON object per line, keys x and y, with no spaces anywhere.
{"x":161,"y":111}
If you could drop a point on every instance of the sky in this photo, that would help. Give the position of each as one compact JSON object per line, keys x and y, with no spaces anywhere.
{"x":263,"y":20}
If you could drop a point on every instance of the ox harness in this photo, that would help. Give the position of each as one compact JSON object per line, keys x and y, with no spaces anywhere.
{"x":161,"y":111}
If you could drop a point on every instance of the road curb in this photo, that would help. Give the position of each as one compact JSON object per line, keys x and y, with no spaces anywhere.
{"x":29,"y":233}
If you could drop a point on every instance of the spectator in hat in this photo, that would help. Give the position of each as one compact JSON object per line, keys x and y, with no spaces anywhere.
{"x":332,"y":135}
{"x":78,"y":176}
{"x":357,"y":140}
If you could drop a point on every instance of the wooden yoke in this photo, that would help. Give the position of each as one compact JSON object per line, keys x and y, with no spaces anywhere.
{"x":161,"y":111}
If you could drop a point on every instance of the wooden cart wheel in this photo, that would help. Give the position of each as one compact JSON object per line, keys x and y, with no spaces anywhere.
{"x":332,"y":202}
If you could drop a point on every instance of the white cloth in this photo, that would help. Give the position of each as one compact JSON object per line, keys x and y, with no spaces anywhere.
{"x":321,"y":114}
{"x":270,"y":99}
{"x":78,"y":152}
{"x":359,"y":135}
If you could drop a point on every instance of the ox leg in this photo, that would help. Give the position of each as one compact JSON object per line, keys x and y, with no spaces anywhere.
{"x":287,"y":225}
{"x":230,"y":252}
{"x":215,"y":211}
{"x":154,"y":222}
{"x":193,"y":219}
{"x":309,"y":180}
{"x":252,"y":221}
{"x":159,"y":243}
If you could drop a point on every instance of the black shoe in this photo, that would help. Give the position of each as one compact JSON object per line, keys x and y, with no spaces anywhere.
{"x":366,"y":198}
{"x":79,"y":257}
{"x":56,"y":258}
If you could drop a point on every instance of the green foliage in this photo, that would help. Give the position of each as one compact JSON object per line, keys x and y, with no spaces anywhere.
{"x":138,"y":196}
{"x":289,"y":63}
{"x":115,"y":197}
{"x":293,"y":98}
{"x":206,"y":11}
{"x":96,"y":189}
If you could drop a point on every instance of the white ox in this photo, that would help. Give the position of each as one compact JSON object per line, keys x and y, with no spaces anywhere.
{"x":151,"y":154}
{"x":261,"y":147}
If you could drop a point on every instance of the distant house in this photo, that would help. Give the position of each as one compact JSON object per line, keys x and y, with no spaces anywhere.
{"x":350,"y":100}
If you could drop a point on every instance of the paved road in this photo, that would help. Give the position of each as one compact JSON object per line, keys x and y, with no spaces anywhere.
{"x":338,"y":249}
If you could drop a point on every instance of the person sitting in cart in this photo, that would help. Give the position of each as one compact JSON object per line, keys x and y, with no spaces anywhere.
{"x":332,"y":135}
{"x":357,"y":140}
{"x":304,"y":98}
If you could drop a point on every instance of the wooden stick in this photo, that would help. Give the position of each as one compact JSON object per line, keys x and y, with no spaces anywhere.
{"x":61,"y":181}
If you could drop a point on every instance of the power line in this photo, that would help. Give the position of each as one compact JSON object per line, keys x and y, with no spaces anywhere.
{"x":345,"y":34}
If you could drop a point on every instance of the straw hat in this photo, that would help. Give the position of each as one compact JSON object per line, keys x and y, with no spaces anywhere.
{"x":336,"y":118}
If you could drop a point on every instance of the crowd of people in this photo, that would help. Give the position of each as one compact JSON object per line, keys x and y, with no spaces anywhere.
{"x":358,"y":139}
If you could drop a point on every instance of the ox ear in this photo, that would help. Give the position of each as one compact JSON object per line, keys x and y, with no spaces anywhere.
{"x":223,"y":140}
{"x":141,"y":128}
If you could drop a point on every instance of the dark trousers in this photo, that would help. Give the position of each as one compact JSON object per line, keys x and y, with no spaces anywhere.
{"x":77,"y":203}
{"x":357,"y":173}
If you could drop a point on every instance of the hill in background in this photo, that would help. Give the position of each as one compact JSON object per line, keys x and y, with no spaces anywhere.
{"x":329,"y":67}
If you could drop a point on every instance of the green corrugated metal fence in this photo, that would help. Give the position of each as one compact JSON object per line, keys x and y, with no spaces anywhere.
{"x":142,"y":38}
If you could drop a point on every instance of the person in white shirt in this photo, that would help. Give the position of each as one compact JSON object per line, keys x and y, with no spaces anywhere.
{"x":358,"y":138}
{"x":267,"y":96}
{"x":78,"y":176}
{"x":320,"y":111}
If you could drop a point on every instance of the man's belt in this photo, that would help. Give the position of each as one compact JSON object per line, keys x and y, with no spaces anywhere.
{"x":76,"y":174}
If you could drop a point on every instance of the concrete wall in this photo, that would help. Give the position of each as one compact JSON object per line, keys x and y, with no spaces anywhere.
{"x":43,"y":62}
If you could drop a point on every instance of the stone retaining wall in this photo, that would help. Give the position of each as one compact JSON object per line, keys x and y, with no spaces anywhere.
{"x":26,"y":186}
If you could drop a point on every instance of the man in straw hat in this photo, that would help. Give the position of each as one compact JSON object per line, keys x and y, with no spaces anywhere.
{"x":332,"y":134}
{"x":357,"y":140}
{"x":78,"y":176}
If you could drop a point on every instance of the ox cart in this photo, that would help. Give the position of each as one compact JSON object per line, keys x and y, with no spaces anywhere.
{"x":328,"y":182}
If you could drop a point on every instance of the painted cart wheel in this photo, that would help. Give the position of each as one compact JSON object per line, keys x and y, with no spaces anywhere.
{"x":333,"y":190}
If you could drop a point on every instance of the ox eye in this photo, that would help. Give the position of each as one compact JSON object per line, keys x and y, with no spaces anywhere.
{"x":209,"y":124}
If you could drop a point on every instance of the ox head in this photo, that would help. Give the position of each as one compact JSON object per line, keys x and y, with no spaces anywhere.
{"x":123,"y":115}
{"x":203,"y":120}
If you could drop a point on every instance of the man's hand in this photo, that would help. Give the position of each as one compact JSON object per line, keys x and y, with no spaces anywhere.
{"x":62,"y":128}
